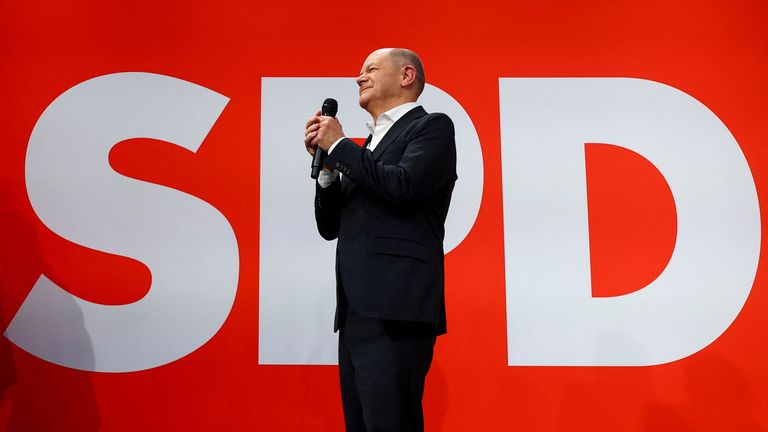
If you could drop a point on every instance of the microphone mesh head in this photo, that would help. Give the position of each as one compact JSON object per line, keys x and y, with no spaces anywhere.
{"x":330,"y":107}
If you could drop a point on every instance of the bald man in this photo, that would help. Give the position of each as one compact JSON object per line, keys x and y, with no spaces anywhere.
{"x":386,"y":203}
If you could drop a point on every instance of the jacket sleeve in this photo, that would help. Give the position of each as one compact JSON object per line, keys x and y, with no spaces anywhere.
{"x":328,"y":209}
{"x":428,"y":163}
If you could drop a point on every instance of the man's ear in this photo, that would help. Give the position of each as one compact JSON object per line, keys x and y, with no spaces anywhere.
{"x":408,"y":76}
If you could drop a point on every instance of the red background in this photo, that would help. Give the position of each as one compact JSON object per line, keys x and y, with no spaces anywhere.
{"x":713,"y":50}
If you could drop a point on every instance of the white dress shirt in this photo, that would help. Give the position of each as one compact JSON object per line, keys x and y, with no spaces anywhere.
{"x":378,"y":129}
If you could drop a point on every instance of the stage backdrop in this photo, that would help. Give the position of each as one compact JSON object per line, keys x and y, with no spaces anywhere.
{"x":160,"y":268}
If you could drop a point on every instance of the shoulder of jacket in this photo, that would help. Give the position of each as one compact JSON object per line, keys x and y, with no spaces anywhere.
{"x":435,"y":117}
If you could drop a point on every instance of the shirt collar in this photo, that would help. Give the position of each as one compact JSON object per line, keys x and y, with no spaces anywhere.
{"x":391,"y":116}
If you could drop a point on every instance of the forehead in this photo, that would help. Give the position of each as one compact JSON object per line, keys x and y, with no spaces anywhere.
{"x":377,"y":57}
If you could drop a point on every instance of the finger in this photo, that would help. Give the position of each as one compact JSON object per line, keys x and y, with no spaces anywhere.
{"x":324,"y":122}
{"x":311,"y":148}
{"x":312,"y":120}
{"x":313,"y":128}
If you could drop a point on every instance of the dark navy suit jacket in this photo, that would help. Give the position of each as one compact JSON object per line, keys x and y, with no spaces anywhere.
{"x":388,"y":213}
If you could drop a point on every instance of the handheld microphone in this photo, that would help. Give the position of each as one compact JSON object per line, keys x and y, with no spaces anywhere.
{"x":329,"y":109}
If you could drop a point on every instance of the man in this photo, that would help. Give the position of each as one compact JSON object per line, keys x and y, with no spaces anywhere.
{"x":387,"y":207}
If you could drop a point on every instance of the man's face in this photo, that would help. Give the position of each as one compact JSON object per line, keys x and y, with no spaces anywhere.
{"x":379,"y":82}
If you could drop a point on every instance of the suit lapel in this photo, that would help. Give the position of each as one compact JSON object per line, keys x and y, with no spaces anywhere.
{"x":367,"y":141}
{"x":397,"y":129}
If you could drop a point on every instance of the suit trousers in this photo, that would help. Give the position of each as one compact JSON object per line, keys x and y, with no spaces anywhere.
{"x":382,"y":367}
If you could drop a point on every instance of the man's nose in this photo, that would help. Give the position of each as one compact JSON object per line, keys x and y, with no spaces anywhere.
{"x":361,"y":79}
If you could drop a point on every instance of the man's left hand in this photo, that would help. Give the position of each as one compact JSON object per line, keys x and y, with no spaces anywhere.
{"x":328,"y":132}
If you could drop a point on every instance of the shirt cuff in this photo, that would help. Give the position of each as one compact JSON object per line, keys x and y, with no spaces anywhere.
{"x":326,"y":178}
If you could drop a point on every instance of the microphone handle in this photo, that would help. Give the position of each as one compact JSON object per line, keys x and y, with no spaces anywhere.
{"x":328,"y":109}
{"x":317,"y":163}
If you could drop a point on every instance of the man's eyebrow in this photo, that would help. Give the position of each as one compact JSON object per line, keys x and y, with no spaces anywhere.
{"x":367,"y":67}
